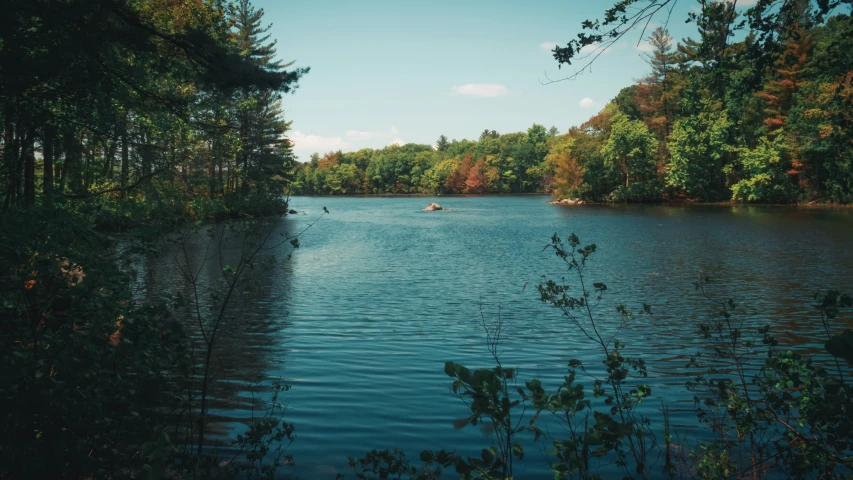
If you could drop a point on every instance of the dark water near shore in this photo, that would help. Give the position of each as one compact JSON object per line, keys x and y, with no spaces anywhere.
{"x":361,"y":320}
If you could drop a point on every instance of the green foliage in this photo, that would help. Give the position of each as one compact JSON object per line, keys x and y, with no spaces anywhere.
{"x":698,"y":148}
{"x":394,"y":465}
{"x":92,"y":381}
{"x":442,"y":143}
{"x":630,"y":153}
{"x":819,"y":124}
{"x":790,"y":414}
{"x":764,"y":176}
{"x":147,"y":102}
{"x":782,"y":72}
{"x":88,"y":375}
{"x":266,"y":440}
{"x":618,"y":430}
{"x":626,"y":102}
{"x":493,"y":397}
{"x":511,"y":163}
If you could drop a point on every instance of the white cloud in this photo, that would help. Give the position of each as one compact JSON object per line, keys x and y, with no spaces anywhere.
{"x":547,"y":46}
{"x":352,"y":139}
{"x":315,"y":142}
{"x":479,"y":90}
{"x":587,"y":103}
{"x":359,"y":135}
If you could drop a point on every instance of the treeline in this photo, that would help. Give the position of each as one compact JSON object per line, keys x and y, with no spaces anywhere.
{"x":714,"y":120}
{"x":166,"y":106}
{"x":511,"y":163}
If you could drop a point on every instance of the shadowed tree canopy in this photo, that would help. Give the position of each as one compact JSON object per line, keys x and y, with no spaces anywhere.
{"x":58,"y":48}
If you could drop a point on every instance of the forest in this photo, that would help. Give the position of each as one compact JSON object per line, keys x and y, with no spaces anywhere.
{"x":133,"y":129}
{"x":143,"y":108}
{"x":719,"y":117}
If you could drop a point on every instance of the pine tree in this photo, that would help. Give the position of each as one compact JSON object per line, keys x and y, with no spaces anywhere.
{"x":786,"y":79}
{"x":265,"y":154}
{"x":713,"y":50}
{"x":442,"y":144}
{"x":657,"y":93}
{"x":489,"y":134}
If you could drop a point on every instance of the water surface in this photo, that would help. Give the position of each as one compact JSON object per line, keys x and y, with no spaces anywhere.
{"x":362,"y":318}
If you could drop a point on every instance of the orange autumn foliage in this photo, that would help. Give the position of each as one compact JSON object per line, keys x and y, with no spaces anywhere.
{"x":456,"y":180}
{"x":568,"y":174}
{"x":778,"y":93}
{"x":330,"y":159}
{"x":476,"y":182}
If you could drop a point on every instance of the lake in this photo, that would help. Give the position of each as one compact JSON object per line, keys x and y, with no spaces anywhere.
{"x":362,"y":318}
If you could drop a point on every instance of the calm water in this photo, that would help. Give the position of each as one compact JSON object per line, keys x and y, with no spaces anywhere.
{"x":361,"y":320}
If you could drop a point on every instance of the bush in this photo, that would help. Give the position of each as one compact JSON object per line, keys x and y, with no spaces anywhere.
{"x":88,"y":376}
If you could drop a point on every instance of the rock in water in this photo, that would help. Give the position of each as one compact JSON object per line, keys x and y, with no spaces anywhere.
{"x":433,"y":206}
{"x":568,"y":201}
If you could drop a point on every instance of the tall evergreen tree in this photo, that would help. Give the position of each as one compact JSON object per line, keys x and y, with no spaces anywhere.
{"x":442,"y":143}
{"x":265,"y":153}
{"x":657,"y":94}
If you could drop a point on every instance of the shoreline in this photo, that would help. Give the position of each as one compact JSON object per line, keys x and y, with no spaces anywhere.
{"x":370,"y":195}
{"x":664,"y":203}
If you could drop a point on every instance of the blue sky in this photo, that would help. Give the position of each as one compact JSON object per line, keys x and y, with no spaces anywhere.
{"x":405,"y":71}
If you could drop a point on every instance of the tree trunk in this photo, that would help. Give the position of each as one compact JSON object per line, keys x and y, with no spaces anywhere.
{"x":110,"y":157}
{"x":125,"y":154}
{"x":221,"y":178}
{"x":244,"y":173}
{"x":147,"y":155}
{"x":63,"y":174}
{"x":86,"y":157}
{"x":47,"y":153}
{"x":211,"y":170}
{"x":244,"y":153}
{"x":20,"y":146}
{"x":57,"y":171}
{"x":29,"y":159}
{"x":11,"y":157}
{"x":90,"y":169}
{"x":74,"y":162}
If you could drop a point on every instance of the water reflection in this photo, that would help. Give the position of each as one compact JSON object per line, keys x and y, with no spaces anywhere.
{"x":251,"y":343}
